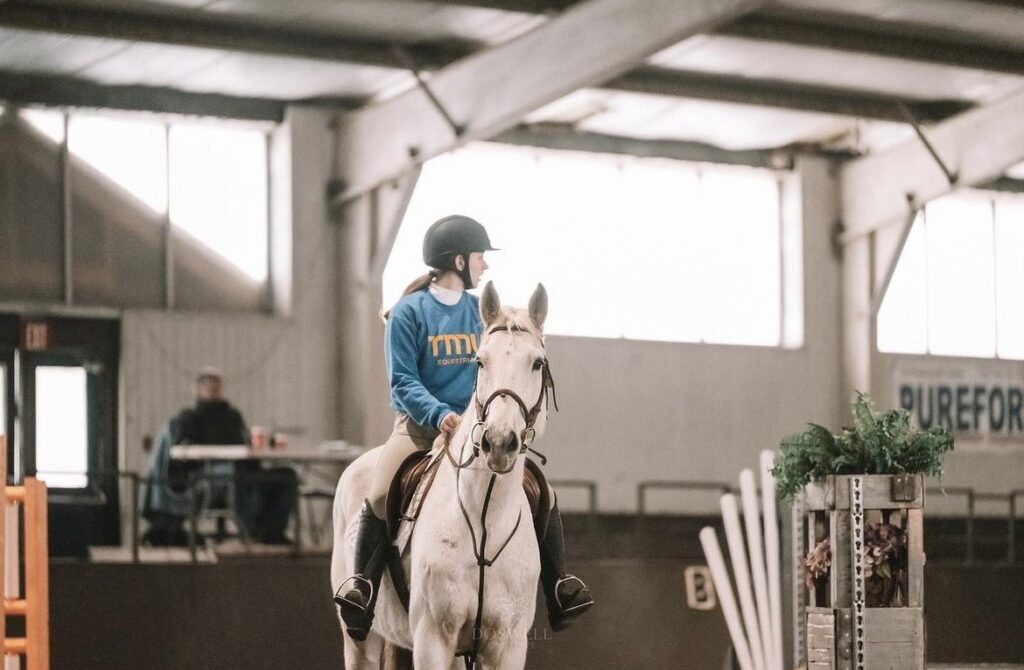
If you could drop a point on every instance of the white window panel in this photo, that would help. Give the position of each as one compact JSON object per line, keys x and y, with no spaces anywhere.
{"x":218,"y":181}
{"x":740,"y":228}
{"x":627,"y":247}
{"x":957,"y":287}
{"x":47,"y":121}
{"x":1010,"y":277}
{"x":961,"y":282}
{"x":658,"y":239}
{"x":903,"y":316}
{"x":210,"y":177}
{"x":62,"y":449}
{"x":131,"y":152}
{"x":574,"y":229}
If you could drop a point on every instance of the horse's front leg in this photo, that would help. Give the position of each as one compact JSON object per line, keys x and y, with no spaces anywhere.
{"x":363,"y":655}
{"x":432,"y":647}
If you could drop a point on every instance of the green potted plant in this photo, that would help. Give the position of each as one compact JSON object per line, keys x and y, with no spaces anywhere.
{"x":883,"y":444}
{"x":863,"y":495}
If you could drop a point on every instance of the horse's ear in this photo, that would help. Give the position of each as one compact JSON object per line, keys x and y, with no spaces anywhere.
{"x":539,"y":305}
{"x":490,"y":304}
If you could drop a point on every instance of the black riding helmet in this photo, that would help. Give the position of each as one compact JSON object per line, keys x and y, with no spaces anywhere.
{"x":452,"y":236}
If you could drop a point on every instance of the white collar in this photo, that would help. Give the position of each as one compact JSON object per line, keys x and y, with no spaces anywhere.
{"x":446,"y":296}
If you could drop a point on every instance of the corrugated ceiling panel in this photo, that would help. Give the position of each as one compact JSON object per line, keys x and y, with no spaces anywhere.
{"x":386,"y":18}
{"x":290,"y":78}
{"x":996,"y":24}
{"x":725,"y":125}
{"x":192,"y":68}
{"x":152,"y":65}
{"x":171,"y":5}
{"x":827,"y":67}
{"x":26,"y":50}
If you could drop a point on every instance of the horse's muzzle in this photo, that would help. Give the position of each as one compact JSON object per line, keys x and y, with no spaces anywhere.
{"x":499,"y":442}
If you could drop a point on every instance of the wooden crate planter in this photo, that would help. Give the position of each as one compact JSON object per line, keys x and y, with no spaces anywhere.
{"x":846,"y":629}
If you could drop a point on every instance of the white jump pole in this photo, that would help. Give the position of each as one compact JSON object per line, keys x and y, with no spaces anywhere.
{"x":752,"y":520}
{"x":771,"y":550}
{"x":741,"y":572}
{"x":720,"y":578}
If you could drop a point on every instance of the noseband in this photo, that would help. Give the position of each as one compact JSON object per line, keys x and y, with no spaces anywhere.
{"x":530,"y":414}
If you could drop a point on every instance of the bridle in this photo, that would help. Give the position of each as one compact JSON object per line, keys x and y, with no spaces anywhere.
{"x":526,"y":438}
{"x":528,"y":434}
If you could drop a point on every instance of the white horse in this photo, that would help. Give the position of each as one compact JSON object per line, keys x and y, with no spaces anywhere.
{"x":507,"y":411}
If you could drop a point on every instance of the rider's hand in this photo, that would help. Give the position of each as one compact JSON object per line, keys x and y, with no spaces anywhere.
{"x":449,"y":424}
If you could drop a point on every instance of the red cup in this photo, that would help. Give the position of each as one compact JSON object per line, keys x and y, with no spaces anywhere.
{"x":258,"y":437}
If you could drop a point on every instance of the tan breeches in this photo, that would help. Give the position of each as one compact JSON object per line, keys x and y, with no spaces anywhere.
{"x":406,"y":437}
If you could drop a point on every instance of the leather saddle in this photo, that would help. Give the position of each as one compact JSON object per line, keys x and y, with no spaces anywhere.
{"x":410,"y":487}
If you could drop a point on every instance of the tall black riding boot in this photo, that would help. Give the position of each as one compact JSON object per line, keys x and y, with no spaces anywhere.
{"x":567,"y":596}
{"x":358,"y":594}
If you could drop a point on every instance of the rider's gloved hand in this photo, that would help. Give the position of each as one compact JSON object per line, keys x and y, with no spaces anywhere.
{"x":449,"y":424}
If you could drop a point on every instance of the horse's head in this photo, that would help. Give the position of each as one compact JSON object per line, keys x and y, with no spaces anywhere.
{"x":512,"y":378}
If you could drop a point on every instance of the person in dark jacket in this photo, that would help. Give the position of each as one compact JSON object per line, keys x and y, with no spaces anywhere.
{"x":264,"y":498}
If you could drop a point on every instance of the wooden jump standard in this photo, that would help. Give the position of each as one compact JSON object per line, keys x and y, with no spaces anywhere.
{"x":35,"y":606}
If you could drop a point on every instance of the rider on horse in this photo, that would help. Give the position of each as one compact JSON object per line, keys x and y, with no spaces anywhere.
{"x":432,"y":376}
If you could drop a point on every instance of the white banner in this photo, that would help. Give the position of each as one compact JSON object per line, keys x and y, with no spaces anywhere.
{"x":982,"y":401}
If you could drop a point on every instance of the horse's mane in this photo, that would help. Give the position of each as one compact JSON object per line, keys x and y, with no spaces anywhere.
{"x":517,"y":319}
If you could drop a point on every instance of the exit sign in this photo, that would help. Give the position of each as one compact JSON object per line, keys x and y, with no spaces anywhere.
{"x":35,"y":335}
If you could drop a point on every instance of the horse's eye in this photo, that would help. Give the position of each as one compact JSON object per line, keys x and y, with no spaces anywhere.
{"x":538,"y":364}
{"x":479,"y":363}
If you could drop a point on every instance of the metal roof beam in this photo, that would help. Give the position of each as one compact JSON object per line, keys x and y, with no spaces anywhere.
{"x":29,"y":89}
{"x":521,"y":6}
{"x":491,"y":91}
{"x":210,"y":31}
{"x":1004,"y":185}
{"x":978,"y":146}
{"x":875,"y":40}
{"x":565,"y":138}
{"x":783,"y":94}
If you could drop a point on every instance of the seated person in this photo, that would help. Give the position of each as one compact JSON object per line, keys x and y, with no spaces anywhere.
{"x":264,"y":498}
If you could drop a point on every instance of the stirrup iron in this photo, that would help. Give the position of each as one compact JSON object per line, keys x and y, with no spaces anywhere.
{"x":578,"y":608}
{"x":356,"y":580}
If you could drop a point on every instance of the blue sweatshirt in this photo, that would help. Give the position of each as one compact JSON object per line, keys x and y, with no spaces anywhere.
{"x":430,"y":353}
